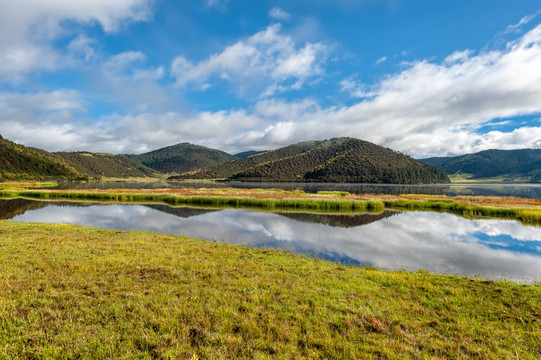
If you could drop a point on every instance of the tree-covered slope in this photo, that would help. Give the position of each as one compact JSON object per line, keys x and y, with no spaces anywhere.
{"x":108,"y":165}
{"x":18,"y":162}
{"x":335,"y":160}
{"x":182,"y":157}
{"x":245,"y":154}
{"x":524,"y":164}
{"x":228,"y":169}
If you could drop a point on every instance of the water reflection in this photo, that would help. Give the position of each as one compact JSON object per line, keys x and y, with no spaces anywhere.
{"x":518,"y":190}
{"x":438,"y":242}
{"x":339,"y":220}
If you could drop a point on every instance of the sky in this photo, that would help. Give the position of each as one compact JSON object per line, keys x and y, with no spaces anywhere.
{"x":423,"y":77}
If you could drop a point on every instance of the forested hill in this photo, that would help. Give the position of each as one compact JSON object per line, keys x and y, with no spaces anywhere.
{"x":18,"y":162}
{"x":182,"y":157}
{"x":227,"y":169}
{"x":335,"y":160}
{"x":508,"y":165}
{"x":244,"y":154}
{"x":107,"y":165}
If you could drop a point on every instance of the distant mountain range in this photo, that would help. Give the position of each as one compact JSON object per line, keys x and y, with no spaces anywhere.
{"x":335,"y":160}
{"x":503,"y":165}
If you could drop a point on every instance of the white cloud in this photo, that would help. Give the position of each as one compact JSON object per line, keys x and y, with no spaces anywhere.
{"x":436,"y":108}
{"x":428,"y":108}
{"x":27,"y":28}
{"x":458,"y":56}
{"x":266,"y":63}
{"x":355,"y":88}
{"x":126,"y":80}
{"x":279,"y":14}
{"x":83,"y":47}
{"x":381,"y":60}
{"x":41,"y":119}
{"x":525,"y":20}
{"x":216,"y":3}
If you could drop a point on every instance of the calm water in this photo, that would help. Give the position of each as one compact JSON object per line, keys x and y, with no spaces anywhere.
{"x":438,"y":242}
{"x":517,"y":190}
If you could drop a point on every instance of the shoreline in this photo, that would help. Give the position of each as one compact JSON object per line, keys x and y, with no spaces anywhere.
{"x":525,"y":210}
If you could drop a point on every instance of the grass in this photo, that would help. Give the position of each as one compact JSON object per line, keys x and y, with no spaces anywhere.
{"x":468,"y":178}
{"x":70,"y":292}
{"x":525,"y":210}
{"x":19,"y":185}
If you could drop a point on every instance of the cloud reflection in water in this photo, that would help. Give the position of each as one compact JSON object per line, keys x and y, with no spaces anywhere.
{"x":433,"y":241}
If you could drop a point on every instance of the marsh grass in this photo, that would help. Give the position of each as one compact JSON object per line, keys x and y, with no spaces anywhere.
{"x":19,"y":185}
{"x":528,"y":215}
{"x":69,"y":292}
{"x":319,"y":204}
{"x":272,"y":199}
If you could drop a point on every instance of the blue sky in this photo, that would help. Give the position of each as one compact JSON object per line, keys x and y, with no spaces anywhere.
{"x":423,"y":77}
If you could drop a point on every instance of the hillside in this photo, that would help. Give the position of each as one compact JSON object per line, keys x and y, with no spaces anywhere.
{"x":18,"y":162}
{"x":335,"y":160}
{"x":181,"y":158}
{"x":108,"y":165}
{"x":245,"y":154}
{"x":508,"y":165}
{"x":228,"y":169}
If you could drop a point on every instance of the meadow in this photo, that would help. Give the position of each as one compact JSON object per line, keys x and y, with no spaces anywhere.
{"x":70,"y":292}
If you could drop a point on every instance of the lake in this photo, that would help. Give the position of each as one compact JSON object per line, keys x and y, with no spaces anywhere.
{"x":518,"y":190}
{"x":437,"y":242}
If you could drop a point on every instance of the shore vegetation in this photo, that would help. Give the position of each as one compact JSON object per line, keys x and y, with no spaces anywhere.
{"x":525,"y":210}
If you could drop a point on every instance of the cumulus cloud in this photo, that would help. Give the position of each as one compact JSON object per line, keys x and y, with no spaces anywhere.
{"x":267,"y":63}
{"x":27,"y":28}
{"x":41,"y":119}
{"x":279,"y":14}
{"x":355,"y":88}
{"x":126,"y":80}
{"x":428,"y":108}
{"x":436,"y":108}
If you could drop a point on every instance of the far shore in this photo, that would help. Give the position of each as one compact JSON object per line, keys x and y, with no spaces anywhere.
{"x":525,"y":210}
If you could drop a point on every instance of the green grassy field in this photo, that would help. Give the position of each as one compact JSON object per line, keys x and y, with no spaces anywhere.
{"x":70,"y":292}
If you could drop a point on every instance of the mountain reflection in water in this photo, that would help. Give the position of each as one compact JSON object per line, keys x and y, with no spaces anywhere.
{"x":439,"y":242}
{"x":532,"y":191}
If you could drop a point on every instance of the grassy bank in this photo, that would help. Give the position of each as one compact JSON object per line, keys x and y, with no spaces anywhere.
{"x":72,"y":292}
{"x":20,"y":185}
{"x":525,"y":210}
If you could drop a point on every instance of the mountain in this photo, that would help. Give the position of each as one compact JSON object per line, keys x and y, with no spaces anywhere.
{"x":181,"y":158}
{"x":108,"y":165}
{"x":244,"y":154}
{"x":335,"y":160}
{"x":227,"y":169}
{"x":508,"y":165}
{"x":18,"y":162}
